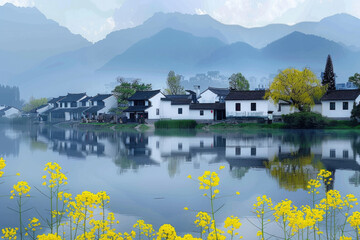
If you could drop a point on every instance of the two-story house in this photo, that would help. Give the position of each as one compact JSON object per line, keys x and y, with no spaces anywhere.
{"x":70,"y":108}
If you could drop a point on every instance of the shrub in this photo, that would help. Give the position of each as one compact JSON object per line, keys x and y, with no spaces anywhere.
{"x":305,"y":120}
{"x":184,"y":124}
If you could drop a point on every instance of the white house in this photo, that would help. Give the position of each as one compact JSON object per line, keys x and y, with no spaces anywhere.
{"x":338,"y":104}
{"x":99,"y":105}
{"x":145,"y":105}
{"x":213,"y":95}
{"x":70,"y":108}
{"x":248,"y":104}
{"x":9,"y":112}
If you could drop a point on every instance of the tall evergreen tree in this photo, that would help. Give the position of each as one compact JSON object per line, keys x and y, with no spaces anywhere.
{"x":329,"y":75}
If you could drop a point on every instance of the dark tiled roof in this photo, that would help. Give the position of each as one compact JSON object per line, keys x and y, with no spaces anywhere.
{"x":54,"y":100}
{"x":207,"y":106}
{"x":73,"y":110}
{"x":246,"y":95}
{"x":73,"y":97}
{"x":181,"y":101}
{"x":143,"y":95}
{"x":86,"y":99}
{"x":178,"y":96}
{"x":341,"y":95}
{"x":101,"y":97}
{"x":220,"y":91}
{"x":93,"y":109}
{"x":136,"y":108}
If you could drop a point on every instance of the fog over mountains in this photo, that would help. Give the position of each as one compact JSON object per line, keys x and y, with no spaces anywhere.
{"x":36,"y":53}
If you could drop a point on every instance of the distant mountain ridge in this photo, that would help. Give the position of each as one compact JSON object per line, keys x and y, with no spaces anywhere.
{"x":185,"y":43}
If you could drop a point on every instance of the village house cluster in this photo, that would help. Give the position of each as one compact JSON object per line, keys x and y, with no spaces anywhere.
{"x":215,"y":104}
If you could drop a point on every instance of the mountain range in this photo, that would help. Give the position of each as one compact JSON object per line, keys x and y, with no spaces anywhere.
{"x":36,"y":51}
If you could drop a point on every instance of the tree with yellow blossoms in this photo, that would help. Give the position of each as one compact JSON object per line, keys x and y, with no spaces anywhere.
{"x":298,"y":88}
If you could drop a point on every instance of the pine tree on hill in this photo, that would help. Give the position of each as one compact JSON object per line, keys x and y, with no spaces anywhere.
{"x":329,"y":75}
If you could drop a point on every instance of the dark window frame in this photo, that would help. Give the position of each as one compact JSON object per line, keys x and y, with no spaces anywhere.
{"x":345,"y":105}
{"x":157,"y":111}
{"x":253,"y":107}
{"x":180,"y":111}
{"x":201,"y":112}
{"x":332,"y":106}
{"x":238,"y":107}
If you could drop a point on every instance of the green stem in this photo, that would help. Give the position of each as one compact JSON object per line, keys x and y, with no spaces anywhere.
{"x":212,"y":209}
{"x":20,"y":218}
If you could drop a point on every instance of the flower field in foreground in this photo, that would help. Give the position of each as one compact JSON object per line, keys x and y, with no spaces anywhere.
{"x":86,"y":215}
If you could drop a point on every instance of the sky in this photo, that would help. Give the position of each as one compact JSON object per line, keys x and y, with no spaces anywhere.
{"x":94,"y":19}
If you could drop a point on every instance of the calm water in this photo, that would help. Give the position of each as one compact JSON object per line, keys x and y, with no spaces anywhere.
{"x":146,"y":173}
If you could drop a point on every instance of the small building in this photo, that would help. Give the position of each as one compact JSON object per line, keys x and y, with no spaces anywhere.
{"x":337,"y":104}
{"x":144,"y":105}
{"x":9,"y":112}
{"x":99,"y":105}
{"x":213,"y":95}
{"x":248,"y":104}
{"x":70,"y":108}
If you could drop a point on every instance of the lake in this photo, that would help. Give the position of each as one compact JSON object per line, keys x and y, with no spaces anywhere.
{"x":145,"y":174}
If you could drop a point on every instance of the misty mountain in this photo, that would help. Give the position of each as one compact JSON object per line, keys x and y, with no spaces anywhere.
{"x":173,"y":41}
{"x":169,"y":49}
{"x":294,"y":50}
{"x":28,"y":37}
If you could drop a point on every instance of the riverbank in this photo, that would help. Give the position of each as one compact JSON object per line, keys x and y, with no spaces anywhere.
{"x":224,"y":126}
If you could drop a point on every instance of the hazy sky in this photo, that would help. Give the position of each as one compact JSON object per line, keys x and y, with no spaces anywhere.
{"x":94,"y":19}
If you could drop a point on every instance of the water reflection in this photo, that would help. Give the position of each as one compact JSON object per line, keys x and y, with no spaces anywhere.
{"x":290,"y":157}
{"x":145,"y":173}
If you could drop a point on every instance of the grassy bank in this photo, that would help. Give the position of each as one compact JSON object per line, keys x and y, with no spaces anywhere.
{"x":175,"y":124}
{"x":104,"y":126}
{"x":232,"y":126}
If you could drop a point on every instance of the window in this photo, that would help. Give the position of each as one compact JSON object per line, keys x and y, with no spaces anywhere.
{"x":332,"y":153}
{"x":179,"y":110}
{"x":345,"y":154}
{"x":345,"y":105}
{"x":157,"y":144}
{"x":253,"y":106}
{"x":84,"y":104}
{"x":73,"y":104}
{"x":238,"y":151}
{"x":201,"y":112}
{"x":253,"y":151}
{"x":180,"y":146}
{"x":157,"y":111}
{"x":202,"y":144}
{"x":332,"y":105}
{"x":238,"y":107}
{"x":279,"y":108}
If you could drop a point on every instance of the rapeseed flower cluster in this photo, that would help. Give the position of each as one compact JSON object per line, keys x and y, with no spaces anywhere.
{"x":86,"y":216}
{"x":2,"y":166}
{"x":9,"y":233}
{"x":54,"y":177}
{"x":144,"y":229}
{"x":21,"y":189}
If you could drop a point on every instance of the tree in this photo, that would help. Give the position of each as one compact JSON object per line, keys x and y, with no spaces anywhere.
{"x":298,"y":88}
{"x":355,"y":80}
{"x":34,"y":103}
{"x":126,"y":89}
{"x":173,"y":84}
{"x":329,"y":75}
{"x":238,"y":82}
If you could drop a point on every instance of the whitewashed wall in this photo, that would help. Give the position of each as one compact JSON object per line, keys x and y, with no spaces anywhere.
{"x":208,"y":97}
{"x":338,"y":112}
{"x":337,"y":147}
{"x":155,"y":104}
{"x":12,"y":113}
{"x":262,"y":108}
{"x":110,"y":102}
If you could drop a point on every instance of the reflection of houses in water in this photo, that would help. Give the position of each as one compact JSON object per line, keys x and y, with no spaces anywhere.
{"x":134,"y":150}
{"x":9,"y":143}
{"x":188,"y":148}
{"x":73,"y":143}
